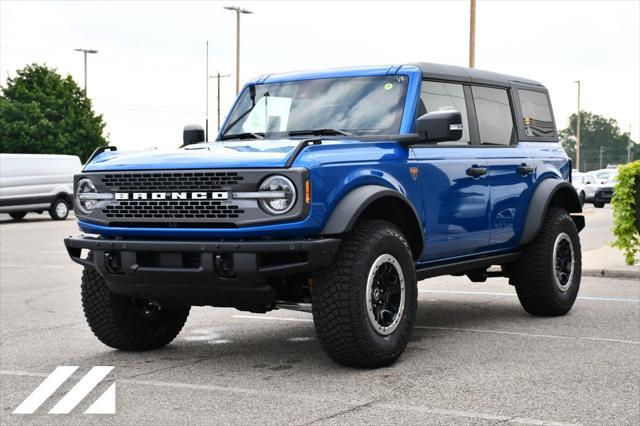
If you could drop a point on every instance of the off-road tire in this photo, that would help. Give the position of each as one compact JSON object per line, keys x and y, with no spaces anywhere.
{"x":598,"y":204}
{"x":119,"y":323}
{"x":17,"y":216}
{"x":339,"y":298}
{"x":534,"y":275}
{"x":57,"y":212}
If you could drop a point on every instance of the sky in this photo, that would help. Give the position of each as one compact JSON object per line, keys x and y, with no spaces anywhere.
{"x":149,"y":77}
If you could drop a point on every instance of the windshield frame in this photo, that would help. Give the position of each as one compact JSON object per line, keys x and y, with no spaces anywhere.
{"x":409,"y":106}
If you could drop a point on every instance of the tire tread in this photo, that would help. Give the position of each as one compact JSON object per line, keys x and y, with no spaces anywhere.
{"x":115,"y":323}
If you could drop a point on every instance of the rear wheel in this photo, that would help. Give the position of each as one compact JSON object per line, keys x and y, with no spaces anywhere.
{"x":598,"y":204}
{"x":583,"y":198}
{"x":17,"y":215}
{"x":364,"y":305}
{"x":59,"y":210}
{"x":125,"y":323}
{"x":547,"y":277}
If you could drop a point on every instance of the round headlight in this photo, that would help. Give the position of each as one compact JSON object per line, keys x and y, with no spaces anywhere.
{"x":85,"y":204}
{"x":284,"y":194}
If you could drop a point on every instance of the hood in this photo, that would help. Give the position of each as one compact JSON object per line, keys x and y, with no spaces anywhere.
{"x":211,"y":155}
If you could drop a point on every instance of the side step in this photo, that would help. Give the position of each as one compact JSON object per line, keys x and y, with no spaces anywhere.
{"x":464,"y":266}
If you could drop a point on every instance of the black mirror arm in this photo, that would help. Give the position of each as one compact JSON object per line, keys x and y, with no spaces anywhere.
{"x":411,"y":139}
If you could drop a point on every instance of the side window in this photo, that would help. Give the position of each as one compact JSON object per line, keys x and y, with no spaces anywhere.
{"x":437,"y":96}
{"x":493,"y":110}
{"x":536,"y":114}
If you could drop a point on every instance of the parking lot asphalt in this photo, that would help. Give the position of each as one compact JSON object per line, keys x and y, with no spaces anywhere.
{"x":475,"y":356}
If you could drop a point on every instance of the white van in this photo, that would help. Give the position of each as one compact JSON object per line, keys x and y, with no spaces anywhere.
{"x":37,"y":182}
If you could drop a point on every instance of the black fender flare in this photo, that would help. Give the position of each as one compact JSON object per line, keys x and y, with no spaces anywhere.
{"x":561,"y":193}
{"x":349,"y":209}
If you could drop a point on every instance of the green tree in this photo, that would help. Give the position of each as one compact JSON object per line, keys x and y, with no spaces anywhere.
{"x":595,"y":132}
{"x":42,"y":112}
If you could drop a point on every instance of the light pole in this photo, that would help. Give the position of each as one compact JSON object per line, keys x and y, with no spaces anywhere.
{"x":218,"y":76}
{"x":206,"y":113}
{"x":472,"y":34}
{"x":238,"y":11}
{"x":629,"y":146}
{"x":85,"y":51}
{"x":578,"y":130}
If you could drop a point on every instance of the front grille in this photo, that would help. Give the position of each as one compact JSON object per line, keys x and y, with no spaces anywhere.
{"x":173,"y":209}
{"x":143,"y":207}
{"x":171,"y":181}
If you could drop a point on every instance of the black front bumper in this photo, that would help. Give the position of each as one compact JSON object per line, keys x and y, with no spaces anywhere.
{"x":603,"y":195}
{"x":217,"y":273}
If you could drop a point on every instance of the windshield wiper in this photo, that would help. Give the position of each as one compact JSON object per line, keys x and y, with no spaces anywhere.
{"x":320,"y":132}
{"x":243,"y":136}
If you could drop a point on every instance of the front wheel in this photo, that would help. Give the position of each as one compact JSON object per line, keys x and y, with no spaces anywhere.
{"x":59,"y":210}
{"x":547,"y":277}
{"x":583,"y":198}
{"x":125,"y":323}
{"x":598,"y":204}
{"x":364,"y":305}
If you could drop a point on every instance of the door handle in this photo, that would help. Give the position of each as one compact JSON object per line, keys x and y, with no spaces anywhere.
{"x":525,"y":169}
{"x":476,"y":171}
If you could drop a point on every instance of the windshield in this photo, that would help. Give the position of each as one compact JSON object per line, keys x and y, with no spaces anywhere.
{"x":328,"y":106}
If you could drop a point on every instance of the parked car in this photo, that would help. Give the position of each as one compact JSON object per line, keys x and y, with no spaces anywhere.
{"x":606,"y":179}
{"x":334,"y":192}
{"x":37,"y":182}
{"x":604,"y":192}
{"x":585,"y":185}
{"x":605,"y":175}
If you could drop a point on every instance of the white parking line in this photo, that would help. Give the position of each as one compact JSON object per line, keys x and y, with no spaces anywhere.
{"x":515,"y":333}
{"x":490,"y":293}
{"x":472,"y":330}
{"x":264,"y":317}
{"x":63,"y":251}
{"x":316,"y":397}
{"x":31,"y":266}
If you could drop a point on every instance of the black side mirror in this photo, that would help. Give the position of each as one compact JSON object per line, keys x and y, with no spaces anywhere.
{"x":440,"y":126}
{"x":192,"y":133}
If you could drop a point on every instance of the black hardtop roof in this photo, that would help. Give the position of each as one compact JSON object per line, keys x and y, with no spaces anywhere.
{"x":471,"y":75}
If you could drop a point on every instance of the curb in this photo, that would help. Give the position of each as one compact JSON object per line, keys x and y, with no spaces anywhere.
{"x":611,"y":273}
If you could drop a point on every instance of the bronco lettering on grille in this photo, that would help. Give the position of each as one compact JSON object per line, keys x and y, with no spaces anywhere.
{"x":171,"y":196}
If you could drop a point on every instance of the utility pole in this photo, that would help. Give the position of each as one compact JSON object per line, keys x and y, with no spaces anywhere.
{"x":601,"y":152}
{"x":85,"y":51}
{"x":578,"y":132}
{"x":206,"y":120}
{"x":218,"y":76}
{"x":238,"y":11}
{"x":472,"y":34}
{"x":629,"y":146}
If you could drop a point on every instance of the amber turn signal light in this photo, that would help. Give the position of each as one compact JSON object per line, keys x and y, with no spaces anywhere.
{"x":307,"y":192}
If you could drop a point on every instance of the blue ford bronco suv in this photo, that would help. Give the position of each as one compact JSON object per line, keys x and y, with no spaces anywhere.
{"x":334,"y":192}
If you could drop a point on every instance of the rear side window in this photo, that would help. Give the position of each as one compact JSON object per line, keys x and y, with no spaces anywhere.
{"x":493,"y":110}
{"x":438,"y":96}
{"x":536,"y":114}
